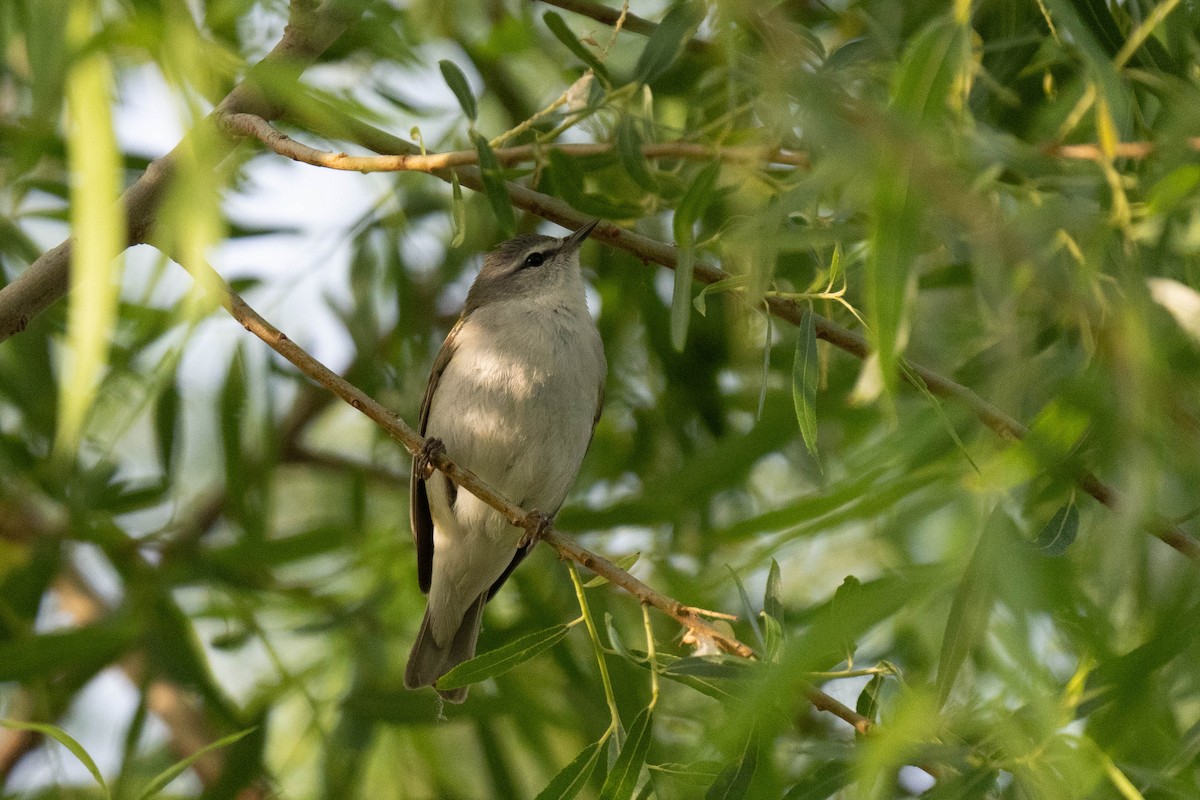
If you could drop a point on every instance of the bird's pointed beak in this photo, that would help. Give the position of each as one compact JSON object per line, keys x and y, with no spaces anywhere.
{"x":572,"y":243}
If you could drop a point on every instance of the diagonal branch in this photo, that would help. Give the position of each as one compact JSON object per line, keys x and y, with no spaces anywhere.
{"x":401,"y":432}
{"x":243,"y":124}
{"x":653,"y":251}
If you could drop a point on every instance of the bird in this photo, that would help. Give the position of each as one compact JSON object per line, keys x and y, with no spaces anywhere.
{"x":514,"y":395}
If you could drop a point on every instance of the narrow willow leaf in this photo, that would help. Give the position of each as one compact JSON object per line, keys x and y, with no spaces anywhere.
{"x":805,"y":374}
{"x":844,"y":600}
{"x":574,"y":776}
{"x":722,"y":667}
{"x":458,"y":84}
{"x":493,"y":186}
{"x":622,"y":778}
{"x":773,"y":596}
{"x":502,"y":659}
{"x":972,"y":605}
{"x":929,"y":68}
{"x":773,"y":633}
{"x":925,"y":79}
{"x":615,"y":641}
{"x":97,"y":226}
{"x":747,"y":609}
{"x":680,"y":313}
{"x":166,"y":425}
{"x":916,"y":380}
{"x":160,"y":781}
{"x":1059,"y":532}
{"x":697,"y":197}
{"x":560,"y":30}
{"x":868,"y":698}
{"x":24,"y":658}
{"x":734,"y":782}
{"x":624,"y":562}
{"x":63,"y":738}
{"x":721,"y":286}
{"x":821,"y":781}
{"x":764,"y":379}
{"x":458,"y":211}
{"x":668,"y":40}
{"x":629,"y":150}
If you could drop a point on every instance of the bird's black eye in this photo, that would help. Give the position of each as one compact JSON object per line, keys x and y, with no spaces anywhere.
{"x":534,"y":260}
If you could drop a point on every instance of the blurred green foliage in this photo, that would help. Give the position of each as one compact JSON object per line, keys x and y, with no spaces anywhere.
{"x":1011,"y":636}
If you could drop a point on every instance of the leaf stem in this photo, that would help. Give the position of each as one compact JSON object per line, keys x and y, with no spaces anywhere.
{"x":594,"y":635}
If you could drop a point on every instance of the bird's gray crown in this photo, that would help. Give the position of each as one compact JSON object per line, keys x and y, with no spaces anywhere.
{"x":518,"y":248}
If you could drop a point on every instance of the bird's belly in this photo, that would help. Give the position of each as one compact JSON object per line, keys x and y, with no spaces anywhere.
{"x":521,"y":427}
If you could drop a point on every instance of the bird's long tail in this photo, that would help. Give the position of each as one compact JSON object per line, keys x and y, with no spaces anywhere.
{"x":429,"y":661}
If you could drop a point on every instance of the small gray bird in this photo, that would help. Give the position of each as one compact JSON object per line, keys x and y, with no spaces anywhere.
{"x":514,"y":396}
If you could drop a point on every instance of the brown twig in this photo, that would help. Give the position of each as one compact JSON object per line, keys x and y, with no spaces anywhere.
{"x":852,"y":342}
{"x":400,"y":431}
{"x":254,"y":126}
{"x":1094,"y":152}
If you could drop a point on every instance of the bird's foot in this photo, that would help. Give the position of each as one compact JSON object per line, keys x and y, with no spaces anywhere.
{"x":423,"y":460}
{"x":538,"y":525}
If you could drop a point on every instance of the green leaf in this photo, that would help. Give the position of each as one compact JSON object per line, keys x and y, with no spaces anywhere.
{"x":721,"y":286}
{"x":747,"y":609}
{"x":691,"y":206}
{"x":929,"y":68}
{"x":98,"y":229}
{"x":680,"y":313}
{"x":844,"y":598}
{"x":574,"y":776}
{"x":972,"y":605}
{"x":868,"y":699}
{"x":696,"y":199}
{"x":622,"y":778}
{"x":458,"y":211}
{"x":160,"y":781}
{"x":624,"y":562}
{"x":718,"y":666}
{"x":502,"y":659}
{"x":821,"y":781}
{"x":773,"y":596}
{"x":916,"y":380}
{"x":1059,"y":532}
{"x":629,"y":150}
{"x":493,"y":187}
{"x":925,"y":78}
{"x":560,"y":30}
{"x":615,"y":641}
{"x":458,"y":84}
{"x":166,"y":425}
{"x":734,"y":782}
{"x":805,"y":377}
{"x":668,"y":40}
{"x":27,"y":657}
{"x":63,"y":738}
{"x":772,"y":612}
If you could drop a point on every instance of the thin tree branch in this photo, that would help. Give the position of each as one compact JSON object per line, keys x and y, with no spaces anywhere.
{"x":1094,"y":152}
{"x":632,"y":22}
{"x":653,"y":251}
{"x":400,"y":431}
{"x":254,"y":126}
{"x":308,"y":34}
